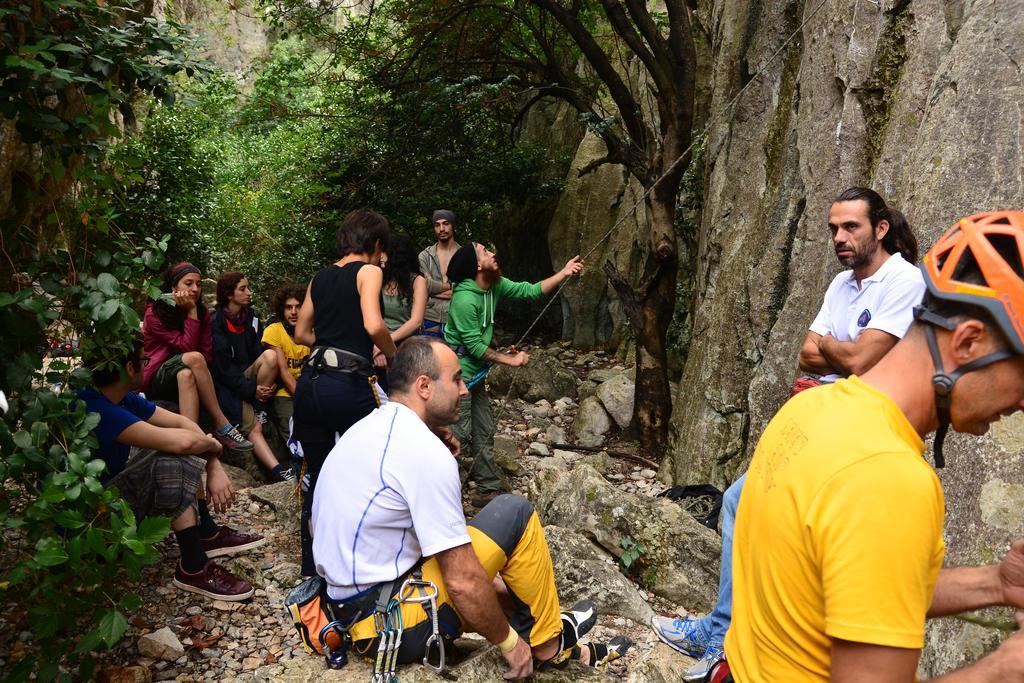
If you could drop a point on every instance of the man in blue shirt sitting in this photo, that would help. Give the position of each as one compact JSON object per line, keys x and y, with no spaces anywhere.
{"x":156,"y":459}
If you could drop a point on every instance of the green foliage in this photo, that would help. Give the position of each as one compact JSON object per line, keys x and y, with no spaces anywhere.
{"x":631,"y":553}
{"x":68,"y":64}
{"x":70,"y":546}
{"x":259,"y":182}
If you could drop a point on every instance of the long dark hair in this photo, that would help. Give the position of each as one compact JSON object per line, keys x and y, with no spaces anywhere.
{"x":402,"y":265}
{"x":169,"y":314}
{"x":900,"y":237}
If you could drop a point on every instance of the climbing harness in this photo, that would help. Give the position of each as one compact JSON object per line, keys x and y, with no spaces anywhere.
{"x":387,"y":619}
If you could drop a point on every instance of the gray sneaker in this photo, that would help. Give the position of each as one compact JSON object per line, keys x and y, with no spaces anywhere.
{"x":681,"y":633}
{"x":233,"y":439}
{"x":699,"y":671}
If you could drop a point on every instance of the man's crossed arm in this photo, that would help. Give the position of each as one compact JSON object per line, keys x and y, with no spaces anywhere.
{"x":824,"y":355}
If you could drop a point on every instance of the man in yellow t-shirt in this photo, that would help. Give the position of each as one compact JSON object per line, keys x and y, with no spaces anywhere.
{"x":290,"y":357}
{"x":854,"y":513}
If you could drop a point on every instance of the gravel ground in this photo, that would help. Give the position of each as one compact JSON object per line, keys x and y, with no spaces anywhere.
{"x":221,"y":640}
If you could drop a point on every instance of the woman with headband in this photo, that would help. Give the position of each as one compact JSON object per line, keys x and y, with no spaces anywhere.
{"x":178,"y":349}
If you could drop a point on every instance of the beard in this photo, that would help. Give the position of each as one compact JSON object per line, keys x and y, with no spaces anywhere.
{"x":855,"y":260}
{"x":492,"y":276}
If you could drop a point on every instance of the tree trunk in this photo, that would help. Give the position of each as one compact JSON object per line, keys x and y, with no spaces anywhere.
{"x":649,"y":308}
{"x":656,"y":309}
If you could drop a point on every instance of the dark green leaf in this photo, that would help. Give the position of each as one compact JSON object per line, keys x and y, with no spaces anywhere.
{"x":107,"y":284}
{"x":153,"y":529}
{"x":105,"y":310}
{"x":50,"y":552}
{"x":112,"y":627}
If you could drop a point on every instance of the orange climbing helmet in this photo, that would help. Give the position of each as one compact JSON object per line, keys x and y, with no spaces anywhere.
{"x":993,"y":243}
{"x":989,"y":245}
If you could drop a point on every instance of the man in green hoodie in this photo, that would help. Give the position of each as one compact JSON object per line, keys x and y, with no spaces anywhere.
{"x":478,"y":286}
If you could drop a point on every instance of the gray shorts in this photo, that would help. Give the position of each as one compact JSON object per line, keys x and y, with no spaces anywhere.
{"x":159,"y":484}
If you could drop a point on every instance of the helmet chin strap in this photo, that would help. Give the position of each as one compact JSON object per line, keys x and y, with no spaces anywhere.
{"x":943,"y":382}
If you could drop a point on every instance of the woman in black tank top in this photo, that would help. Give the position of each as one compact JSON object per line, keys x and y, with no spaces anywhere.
{"x":341,"y":320}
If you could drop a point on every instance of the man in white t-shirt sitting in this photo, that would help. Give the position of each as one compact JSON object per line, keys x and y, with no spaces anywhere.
{"x":394,"y":507}
{"x":867,"y":309}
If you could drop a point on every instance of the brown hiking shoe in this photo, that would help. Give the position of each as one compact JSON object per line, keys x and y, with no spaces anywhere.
{"x":227,"y":541}
{"x":482,"y":499}
{"x":213,"y":581}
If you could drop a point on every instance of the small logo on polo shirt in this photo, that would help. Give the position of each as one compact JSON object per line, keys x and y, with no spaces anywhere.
{"x":864,"y":319}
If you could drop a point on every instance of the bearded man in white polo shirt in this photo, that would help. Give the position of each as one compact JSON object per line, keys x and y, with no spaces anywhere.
{"x":867,"y":309}
{"x":394,"y":508}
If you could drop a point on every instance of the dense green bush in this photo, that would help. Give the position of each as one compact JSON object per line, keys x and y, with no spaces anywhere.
{"x":70,"y":548}
{"x":259,"y":181}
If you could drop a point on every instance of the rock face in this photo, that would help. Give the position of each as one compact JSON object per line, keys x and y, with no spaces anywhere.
{"x":585,"y":572}
{"x":678,"y":559}
{"x":236,"y":37}
{"x":919,"y":100}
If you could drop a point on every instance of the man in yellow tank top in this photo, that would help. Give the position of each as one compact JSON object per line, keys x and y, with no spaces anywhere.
{"x":854,"y":512}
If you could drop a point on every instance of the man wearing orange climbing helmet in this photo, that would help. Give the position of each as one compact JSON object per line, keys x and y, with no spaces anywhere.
{"x":855,"y":513}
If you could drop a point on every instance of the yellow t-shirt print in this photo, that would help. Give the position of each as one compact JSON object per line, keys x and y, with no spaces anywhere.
{"x":838,"y":535}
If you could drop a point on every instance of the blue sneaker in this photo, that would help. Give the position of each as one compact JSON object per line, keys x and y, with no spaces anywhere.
{"x":681,"y":633}
{"x":699,"y":671}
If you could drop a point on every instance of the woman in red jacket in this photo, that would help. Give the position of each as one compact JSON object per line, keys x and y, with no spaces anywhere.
{"x":178,"y":347}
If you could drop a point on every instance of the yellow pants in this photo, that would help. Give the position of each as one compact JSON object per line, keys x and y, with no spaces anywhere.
{"x":508,"y":540}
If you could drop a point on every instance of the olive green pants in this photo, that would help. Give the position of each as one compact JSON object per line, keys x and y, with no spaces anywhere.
{"x":475,"y":430}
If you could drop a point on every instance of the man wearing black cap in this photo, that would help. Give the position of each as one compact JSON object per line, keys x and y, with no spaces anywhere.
{"x":433,"y":265}
{"x":477,"y":287}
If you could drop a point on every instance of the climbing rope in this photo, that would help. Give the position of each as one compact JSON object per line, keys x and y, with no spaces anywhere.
{"x":697,"y":138}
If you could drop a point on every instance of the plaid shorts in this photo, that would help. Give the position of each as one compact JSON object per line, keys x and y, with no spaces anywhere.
{"x":159,"y":484}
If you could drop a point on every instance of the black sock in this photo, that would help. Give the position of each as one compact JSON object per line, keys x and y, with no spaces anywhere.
{"x":207,"y":527}
{"x":193,"y":557}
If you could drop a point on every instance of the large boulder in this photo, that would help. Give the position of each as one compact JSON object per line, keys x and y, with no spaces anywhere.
{"x":679,"y":557}
{"x":544,"y":377}
{"x":617,"y":396}
{"x":592,"y":423}
{"x":584,"y":571}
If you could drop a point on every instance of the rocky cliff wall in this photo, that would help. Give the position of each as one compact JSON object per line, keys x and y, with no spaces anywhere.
{"x":235,"y":38}
{"x":919,"y":99}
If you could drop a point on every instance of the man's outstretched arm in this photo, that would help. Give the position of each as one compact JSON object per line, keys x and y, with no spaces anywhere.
{"x":864,"y":663}
{"x":961,"y":589}
{"x":573,"y":266}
